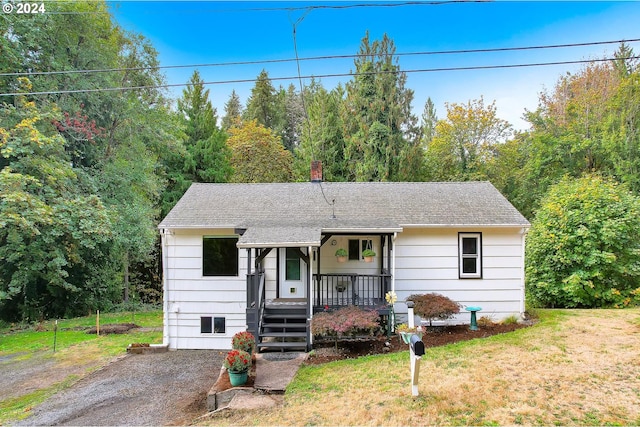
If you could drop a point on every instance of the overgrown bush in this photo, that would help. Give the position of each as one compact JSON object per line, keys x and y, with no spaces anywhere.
{"x":583,"y":248}
{"x":345,"y":322}
{"x":434,"y":306}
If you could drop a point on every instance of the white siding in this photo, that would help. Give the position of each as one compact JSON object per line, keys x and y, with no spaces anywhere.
{"x":330,"y":265}
{"x":192,"y":295}
{"x":427,"y":261}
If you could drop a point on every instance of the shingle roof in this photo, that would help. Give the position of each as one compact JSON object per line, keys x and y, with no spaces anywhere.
{"x":301,"y":210}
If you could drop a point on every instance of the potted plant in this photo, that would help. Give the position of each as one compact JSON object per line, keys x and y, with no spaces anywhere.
{"x":243,"y":341}
{"x":368,"y":255}
{"x":341,"y":255}
{"x":237,"y":363}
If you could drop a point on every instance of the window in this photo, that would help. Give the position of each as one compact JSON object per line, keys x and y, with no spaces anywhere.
{"x":205,"y":325}
{"x":210,"y":324}
{"x":292,"y":264}
{"x":470,"y":255}
{"x":219,"y":325}
{"x":219,"y":256}
{"x":357,"y":246}
{"x":354,"y":250}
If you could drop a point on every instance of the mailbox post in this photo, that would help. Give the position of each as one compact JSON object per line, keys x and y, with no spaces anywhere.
{"x":416,"y":350}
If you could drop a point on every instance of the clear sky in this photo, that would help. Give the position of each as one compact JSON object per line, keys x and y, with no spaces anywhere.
{"x":206,"y":32}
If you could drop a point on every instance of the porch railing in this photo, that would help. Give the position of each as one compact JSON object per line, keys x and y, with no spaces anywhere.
{"x":255,"y":302}
{"x":339,"y":290}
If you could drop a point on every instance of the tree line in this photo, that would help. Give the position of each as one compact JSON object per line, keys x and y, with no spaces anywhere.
{"x":85,"y":177}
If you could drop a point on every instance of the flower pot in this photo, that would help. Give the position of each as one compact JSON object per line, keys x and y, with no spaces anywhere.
{"x":368,"y":259}
{"x":341,"y":258}
{"x":238,"y":378}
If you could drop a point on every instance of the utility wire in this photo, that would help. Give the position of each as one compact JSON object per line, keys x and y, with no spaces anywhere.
{"x":351,"y":74}
{"x":280,"y":9}
{"x":319,"y":58}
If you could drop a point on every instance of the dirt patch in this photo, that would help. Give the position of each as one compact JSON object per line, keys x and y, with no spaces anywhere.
{"x":113,"y":328}
{"x":326,"y":351}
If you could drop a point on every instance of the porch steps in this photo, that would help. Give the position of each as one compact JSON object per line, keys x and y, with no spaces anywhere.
{"x":283,"y":328}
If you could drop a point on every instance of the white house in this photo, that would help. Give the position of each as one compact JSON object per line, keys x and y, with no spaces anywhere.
{"x":262,"y":256}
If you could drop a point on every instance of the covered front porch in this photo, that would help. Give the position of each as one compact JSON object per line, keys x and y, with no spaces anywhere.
{"x":308,"y":279}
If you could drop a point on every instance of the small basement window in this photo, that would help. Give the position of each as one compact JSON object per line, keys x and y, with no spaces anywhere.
{"x":216,"y":325}
{"x":206,"y":325}
{"x":219,"y":256}
{"x":470,"y":255}
{"x":219,"y":325}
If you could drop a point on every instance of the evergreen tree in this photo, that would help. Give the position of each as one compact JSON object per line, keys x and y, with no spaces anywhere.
{"x":199,"y":114}
{"x":382,"y":132}
{"x":294,"y":116}
{"x":429,"y":121}
{"x":232,"y":111}
{"x":207,"y":157}
{"x":262,"y":104}
{"x":321,"y":137}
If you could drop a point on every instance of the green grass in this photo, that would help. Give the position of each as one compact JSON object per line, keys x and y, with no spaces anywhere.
{"x":76,"y":352}
{"x":72,"y":331}
{"x":17,"y":408}
{"x":567,"y":369}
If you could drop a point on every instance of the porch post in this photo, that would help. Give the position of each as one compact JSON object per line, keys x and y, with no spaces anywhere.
{"x":249,"y":288}
{"x":393,"y":261}
{"x":309,"y":297}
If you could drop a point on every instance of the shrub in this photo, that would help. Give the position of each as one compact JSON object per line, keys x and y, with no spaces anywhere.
{"x":434,"y":306}
{"x":243,"y":341}
{"x":237,"y":361}
{"x":511,"y":320}
{"x":344,"y":322}
{"x":485,"y":321}
{"x":583,"y":248}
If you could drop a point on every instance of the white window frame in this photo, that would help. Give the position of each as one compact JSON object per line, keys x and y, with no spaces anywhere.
{"x":477,"y":256}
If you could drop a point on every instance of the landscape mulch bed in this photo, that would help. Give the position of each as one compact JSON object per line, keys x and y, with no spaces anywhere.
{"x":326,"y":352}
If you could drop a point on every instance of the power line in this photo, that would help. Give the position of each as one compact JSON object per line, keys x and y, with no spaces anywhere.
{"x":286,"y":9}
{"x":223,"y":82}
{"x":318,"y":58}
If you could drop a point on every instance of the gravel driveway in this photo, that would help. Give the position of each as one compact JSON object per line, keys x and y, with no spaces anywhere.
{"x":147,"y":389}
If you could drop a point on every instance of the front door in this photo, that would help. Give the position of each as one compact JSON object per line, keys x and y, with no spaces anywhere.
{"x":293,"y":274}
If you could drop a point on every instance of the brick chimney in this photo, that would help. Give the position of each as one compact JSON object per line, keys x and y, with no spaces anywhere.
{"x":316,"y":171}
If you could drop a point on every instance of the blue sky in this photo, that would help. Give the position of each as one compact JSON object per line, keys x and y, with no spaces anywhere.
{"x":205,"y":32}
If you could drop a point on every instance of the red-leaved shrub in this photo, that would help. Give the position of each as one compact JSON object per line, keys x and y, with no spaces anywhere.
{"x":434,"y":306}
{"x":345,"y":322}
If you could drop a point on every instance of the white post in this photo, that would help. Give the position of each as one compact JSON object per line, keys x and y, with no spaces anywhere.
{"x":414,"y":360}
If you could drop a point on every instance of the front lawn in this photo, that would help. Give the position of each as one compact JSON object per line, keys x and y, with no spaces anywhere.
{"x":574,"y":367}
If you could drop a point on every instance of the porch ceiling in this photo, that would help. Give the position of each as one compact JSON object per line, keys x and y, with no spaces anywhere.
{"x":280,"y":237}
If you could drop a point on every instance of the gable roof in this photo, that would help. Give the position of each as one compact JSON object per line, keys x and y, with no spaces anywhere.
{"x":295,"y":214}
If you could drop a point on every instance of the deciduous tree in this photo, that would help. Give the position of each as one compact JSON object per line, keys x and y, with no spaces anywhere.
{"x":583,"y":247}
{"x":257,"y":154}
{"x":465,"y":141}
